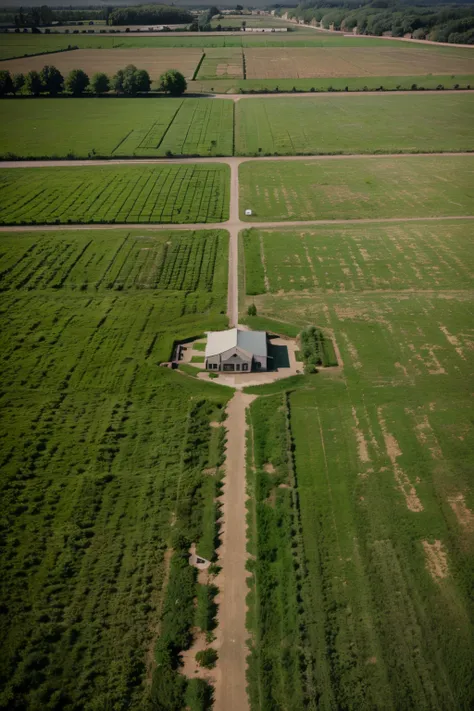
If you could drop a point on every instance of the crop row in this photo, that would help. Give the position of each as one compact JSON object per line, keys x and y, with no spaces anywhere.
{"x":160,"y":193}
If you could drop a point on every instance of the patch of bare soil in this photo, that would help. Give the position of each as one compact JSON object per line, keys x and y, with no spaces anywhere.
{"x":269,"y":468}
{"x":436,"y":559}
{"x":191,"y":668}
{"x":404,"y":484}
{"x":231,"y":633}
{"x":426,"y":436}
{"x":454,"y":341}
{"x":361,"y":443}
{"x":463,"y":514}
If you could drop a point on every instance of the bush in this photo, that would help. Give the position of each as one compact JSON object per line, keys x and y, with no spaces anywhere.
{"x":252,"y":310}
{"x":207,"y":658}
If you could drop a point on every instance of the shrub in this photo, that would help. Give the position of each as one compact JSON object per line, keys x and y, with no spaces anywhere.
{"x":252,"y":310}
{"x":207,"y":658}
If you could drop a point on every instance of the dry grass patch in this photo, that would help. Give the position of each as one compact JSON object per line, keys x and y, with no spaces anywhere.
{"x":436,"y":559}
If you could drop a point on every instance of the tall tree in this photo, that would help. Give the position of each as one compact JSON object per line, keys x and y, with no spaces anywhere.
{"x":173,"y":82}
{"x":77,"y":81}
{"x":6,"y":84}
{"x":33,"y":83}
{"x":52,"y":80}
{"x":100,"y":83}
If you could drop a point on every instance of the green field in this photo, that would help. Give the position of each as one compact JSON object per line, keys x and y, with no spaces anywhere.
{"x":102,"y":452}
{"x":362,"y":593}
{"x":77,"y":128}
{"x":126,"y":127}
{"x":20,"y":45}
{"x":342,"y":124}
{"x":353,"y":188}
{"x":190,"y":193}
{"x":375,"y":257}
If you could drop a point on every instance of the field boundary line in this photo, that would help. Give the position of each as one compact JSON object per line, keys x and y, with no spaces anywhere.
{"x":169,"y":125}
{"x":198,"y":67}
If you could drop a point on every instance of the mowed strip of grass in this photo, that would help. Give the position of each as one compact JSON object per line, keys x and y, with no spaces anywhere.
{"x":127,"y":127}
{"x":355,"y":124}
{"x":356,"y":188}
{"x":376,"y":257}
{"x":380,"y":518}
{"x":148,"y":193}
{"x":103,"y":486}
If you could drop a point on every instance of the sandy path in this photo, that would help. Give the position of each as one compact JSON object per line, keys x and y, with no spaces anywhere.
{"x":231,"y":633}
{"x":231,"y":161}
{"x":233,"y":226}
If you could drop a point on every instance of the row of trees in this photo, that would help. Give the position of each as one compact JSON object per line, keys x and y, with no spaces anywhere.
{"x":130,"y":81}
{"x":376,"y":17}
{"x":150,"y":14}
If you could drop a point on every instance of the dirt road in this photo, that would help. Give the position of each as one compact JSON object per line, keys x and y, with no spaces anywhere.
{"x":231,"y":694}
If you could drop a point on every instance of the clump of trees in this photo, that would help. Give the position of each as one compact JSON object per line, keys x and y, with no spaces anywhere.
{"x":316,"y":349}
{"x":131,"y":81}
{"x":172,"y":82}
{"x":453,"y":24}
{"x":156,"y":14}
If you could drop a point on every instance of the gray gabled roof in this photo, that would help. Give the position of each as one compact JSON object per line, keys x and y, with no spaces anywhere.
{"x":253,"y":342}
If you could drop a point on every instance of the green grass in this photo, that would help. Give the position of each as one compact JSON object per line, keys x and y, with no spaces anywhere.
{"x":197,"y":359}
{"x":199,"y":346}
{"x":103,"y":455}
{"x":125,"y":127}
{"x":392,"y":256}
{"x":356,"y":124}
{"x":357,"y":188}
{"x":19,"y":45}
{"x":382,"y":453}
{"x":159,"y":193}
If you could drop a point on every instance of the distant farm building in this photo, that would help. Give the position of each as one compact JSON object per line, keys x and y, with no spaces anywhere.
{"x":264,"y":29}
{"x":236,"y":351}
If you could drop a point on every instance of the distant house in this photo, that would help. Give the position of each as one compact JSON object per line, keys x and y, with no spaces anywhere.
{"x":236,"y":351}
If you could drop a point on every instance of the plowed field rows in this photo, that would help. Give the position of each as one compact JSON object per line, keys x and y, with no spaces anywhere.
{"x":155,"y":61}
{"x":101,"y":467}
{"x":159,"y":193}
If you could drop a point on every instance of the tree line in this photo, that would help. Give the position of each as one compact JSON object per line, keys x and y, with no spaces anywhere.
{"x":447,"y":23}
{"x":153,"y":14}
{"x":129,"y":81}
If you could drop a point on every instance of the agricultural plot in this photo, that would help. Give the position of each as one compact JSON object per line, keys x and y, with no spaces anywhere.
{"x":301,"y":63}
{"x":221,"y":64}
{"x":14,"y":45}
{"x":103,"y":454}
{"x":152,"y":193}
{"x":393,"y":257}
{"x":394,"y":123}
{"x":354,"y":188}
{"x":155,"y":61}
{"x":129,"y":127}
{"x":376,"y":504}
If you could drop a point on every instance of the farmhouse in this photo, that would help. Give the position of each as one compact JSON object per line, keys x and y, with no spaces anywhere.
{"x":236,"y":350}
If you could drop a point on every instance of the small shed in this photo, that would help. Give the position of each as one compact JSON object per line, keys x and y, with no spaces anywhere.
{"x":236,"y":351}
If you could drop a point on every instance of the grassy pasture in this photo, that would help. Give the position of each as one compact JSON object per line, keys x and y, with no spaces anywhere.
{"x":19,"y":45}
{"x":381,"y":519}
{"x":377,"y":257}
{"x":353,"y":188}
{"x":125,"y":127}
{"x":103,"y":455}
{"x":221,"y":64}
{"x":392,"y":123}
{"x":153,"y":193}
